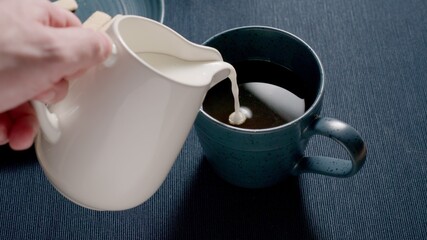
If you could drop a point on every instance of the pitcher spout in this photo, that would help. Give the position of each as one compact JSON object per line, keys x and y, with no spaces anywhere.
{"x":223,"y":71}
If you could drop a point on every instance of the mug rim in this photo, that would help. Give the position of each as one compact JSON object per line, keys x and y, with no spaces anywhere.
{"x":306,"y":113}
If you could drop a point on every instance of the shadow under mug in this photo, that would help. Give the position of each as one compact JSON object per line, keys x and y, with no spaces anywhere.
{"x":256,"y":158}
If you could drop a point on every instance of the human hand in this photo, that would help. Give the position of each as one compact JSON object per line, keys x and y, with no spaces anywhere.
{"x":42,"y":46}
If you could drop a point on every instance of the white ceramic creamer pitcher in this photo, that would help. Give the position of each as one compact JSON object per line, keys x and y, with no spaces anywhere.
{"x":111,"y":142}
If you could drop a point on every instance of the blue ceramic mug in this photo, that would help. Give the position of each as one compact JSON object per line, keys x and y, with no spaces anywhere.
{"x":256,"y":158}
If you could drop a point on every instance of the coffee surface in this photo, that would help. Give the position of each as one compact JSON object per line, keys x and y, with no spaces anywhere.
{"x":261,"y":101}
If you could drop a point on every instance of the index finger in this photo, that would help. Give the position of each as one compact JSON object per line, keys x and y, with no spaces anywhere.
{"x":78,"y":49}
{"x":60,"y":17}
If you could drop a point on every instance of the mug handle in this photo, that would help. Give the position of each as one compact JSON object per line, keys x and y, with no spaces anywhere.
{"x":346,"y":136}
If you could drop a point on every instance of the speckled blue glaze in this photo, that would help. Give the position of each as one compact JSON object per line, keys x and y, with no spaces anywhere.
{"x":261,"y":158}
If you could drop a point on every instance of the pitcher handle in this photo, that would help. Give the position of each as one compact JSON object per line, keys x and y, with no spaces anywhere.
{"x":346,"y":136}
{"x":49,"y":122}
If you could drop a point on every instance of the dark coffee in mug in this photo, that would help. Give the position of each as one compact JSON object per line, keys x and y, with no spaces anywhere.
{"x":262,"y":87}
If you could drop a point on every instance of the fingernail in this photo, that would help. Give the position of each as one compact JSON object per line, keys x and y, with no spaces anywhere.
{"x":47,"y":97}
{"x":3,"y":136}
{"x":5,"y":141}
{"x":105,"y":45}
{"x":50,"y":97}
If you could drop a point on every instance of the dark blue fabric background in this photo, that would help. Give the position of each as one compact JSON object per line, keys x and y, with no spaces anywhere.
{"x":374,"y":53}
